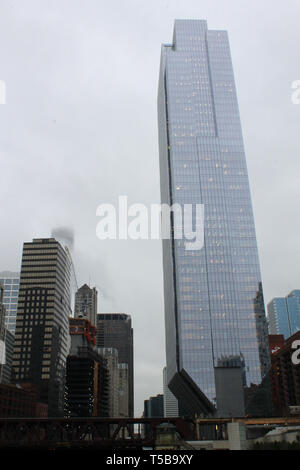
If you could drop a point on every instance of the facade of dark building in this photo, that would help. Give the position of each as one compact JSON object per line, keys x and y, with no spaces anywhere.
{"x":20,"y":401}
{"x":86,"y":303}
{"x":284,"y":374}
{"x":276,"y":342}
{"x":87,"y":384}
{"x":87,"y":376}
{"x":213,"y":295}
{"x":114,"y":330}
{"x":154,"y":407}
{"x":42,"y":338}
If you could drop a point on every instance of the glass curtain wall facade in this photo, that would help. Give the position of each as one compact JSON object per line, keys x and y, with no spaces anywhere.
{"x":293,"y":303}
{"x":284,"y":314}
{"x":214,"y":309}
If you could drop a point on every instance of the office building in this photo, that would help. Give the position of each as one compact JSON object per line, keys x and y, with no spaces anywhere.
{"x":284,"y":314}
{"x":230,"y":385}
{"x":87,"y":381}
{"x":86,"y":303}
{"x":112,"y":364}
{"x":42,"y":337}
{"x":154,"y":407}
{"x":214,"y":304}
{"x":114,"y":330}
{"x":170,"y":401}
{"x":10,"y":281}
{"x":124,"y":401}
{"x":86,"y":385}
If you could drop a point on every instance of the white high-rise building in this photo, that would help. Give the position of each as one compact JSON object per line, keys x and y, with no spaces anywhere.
{"x":11,"y":282}
{"x":170,"y":401}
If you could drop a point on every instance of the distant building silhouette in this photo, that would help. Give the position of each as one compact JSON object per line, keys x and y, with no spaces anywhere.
{"x":114,"y":330}
{"x":86,"y":304}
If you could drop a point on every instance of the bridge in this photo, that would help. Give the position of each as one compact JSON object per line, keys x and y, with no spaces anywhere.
{"x":102,"y":433}
{"x":117,"y":433}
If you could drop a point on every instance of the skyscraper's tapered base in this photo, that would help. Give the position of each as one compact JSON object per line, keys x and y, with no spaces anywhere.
{"x":191,"y":399}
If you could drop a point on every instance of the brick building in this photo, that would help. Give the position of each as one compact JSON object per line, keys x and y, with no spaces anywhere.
{"x":284,"y":374}
{"x":20,"y":401}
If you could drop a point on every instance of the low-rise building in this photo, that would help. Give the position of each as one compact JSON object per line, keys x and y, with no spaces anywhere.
{"x":20,"y":401}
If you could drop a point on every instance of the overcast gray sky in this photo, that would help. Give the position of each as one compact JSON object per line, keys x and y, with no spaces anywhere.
{"x":80,"y":128}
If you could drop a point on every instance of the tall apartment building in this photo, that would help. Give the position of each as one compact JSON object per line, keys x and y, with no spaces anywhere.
{"x":214,"y":304}
{"x":10,"y":281}
{"x":284,"y":314}
{"x":86,"y":303}
{"x":42,"y":337}
{"x":114,"y":330}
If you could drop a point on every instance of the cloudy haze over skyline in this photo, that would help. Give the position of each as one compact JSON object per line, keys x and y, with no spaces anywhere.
{"x":79,"y":128}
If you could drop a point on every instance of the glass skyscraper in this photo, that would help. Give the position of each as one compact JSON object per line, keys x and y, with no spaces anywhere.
{"x":284,"y":314}
{"x":214,"y":308}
